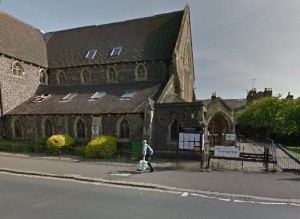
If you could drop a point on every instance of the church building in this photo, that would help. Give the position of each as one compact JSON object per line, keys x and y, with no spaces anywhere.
{"x":132,"y":79}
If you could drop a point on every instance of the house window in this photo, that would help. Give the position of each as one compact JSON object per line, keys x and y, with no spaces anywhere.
{"x":18,"y":131}
{"x":43,"y":77}
{"x":175,"y":130}
{"x":61,"y":78}
{"x":80,"y":128}
{"x":140,"y":72}
{"x":48,"y":128}
{"x":116,"y":51}
{"x":112,"y":74}
{"x":85,"y":76}
{"x":17,"y":69}
{"x":124,"y":129}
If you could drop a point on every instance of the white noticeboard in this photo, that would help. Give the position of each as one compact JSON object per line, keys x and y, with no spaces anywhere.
{"x":230,"y":137}
{"x":227,"y":151}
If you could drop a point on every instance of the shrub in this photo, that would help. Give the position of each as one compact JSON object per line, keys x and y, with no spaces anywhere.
{"x":14,"y":146}
{"x":104,"y":146}
{"x":56,"y":142}
{"x":79,"y":150}
{"x":40,"y":140}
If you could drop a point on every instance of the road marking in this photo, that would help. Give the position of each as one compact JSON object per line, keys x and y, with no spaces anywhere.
{"x":120,"y":174}
{"x":294,"y":204}
{"x":262,"y":203}
{"x":184,"y":194}
{"x":212,"y":197}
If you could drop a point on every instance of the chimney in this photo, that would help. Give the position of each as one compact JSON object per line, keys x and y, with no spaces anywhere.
{"x":213,"y":95}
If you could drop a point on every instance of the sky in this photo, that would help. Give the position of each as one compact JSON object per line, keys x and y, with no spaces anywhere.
{"x":237,"y":44}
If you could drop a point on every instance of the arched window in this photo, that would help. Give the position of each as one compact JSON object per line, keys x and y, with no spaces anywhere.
{"x":80,"y":129}
{"x":124,"y":129}
{"x":43,"y":77}
{"x":17,"y":69}
{"x":140,"y":72}
{"x":48,"y":128}
{"x":61,"y":78}
{"x":175,"y":130}
{"x":85,"y":76}
{"x":112,"y":75}
{"x":17,"y":129}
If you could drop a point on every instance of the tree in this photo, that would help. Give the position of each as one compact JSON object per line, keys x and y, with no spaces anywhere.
{"x":271,"y":115}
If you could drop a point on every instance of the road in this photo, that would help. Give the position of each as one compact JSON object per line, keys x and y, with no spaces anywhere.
{"x":35,"y":198}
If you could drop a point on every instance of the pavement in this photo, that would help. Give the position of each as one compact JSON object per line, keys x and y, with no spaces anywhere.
{"x":275,"y":187}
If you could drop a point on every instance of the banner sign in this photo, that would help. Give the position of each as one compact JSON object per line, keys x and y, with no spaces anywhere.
{"x":227,"y":151}
{"x":230,"y":137}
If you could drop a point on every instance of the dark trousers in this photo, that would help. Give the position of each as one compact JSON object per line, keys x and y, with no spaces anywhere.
{"x":148,"y":158}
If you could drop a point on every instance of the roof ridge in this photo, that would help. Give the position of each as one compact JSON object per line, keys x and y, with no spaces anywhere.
{"x":20,"y":21}
{"x":118,"y":22}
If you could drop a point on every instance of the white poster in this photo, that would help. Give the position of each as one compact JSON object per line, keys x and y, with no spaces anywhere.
{"x":180,"y":136}
{"x":192,"y":137}
{"x":186,"y":137}
{"x":186,"y":145}
{"x":191,"y":145}
{"x":180,"y":145}
{"x":230,"y":137}
{"x":197,"y":137}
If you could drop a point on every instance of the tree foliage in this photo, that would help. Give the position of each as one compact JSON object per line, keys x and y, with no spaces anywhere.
{"x":273,"y":115}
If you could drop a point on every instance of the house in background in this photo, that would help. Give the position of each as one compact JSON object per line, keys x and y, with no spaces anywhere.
{"x":132,"y":79}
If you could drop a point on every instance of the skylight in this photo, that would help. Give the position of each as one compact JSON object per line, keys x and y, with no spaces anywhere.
{"x":116,"y":51}
{"x":128,"y":95}
{"x":91,"y":54}
{"x":69,"y":97}
{"x":97,"y":96}
{"x":41,"y":98}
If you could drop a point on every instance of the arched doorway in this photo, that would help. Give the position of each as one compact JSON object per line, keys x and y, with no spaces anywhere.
{"x":217,"y":128}
{"x":214,"y":133}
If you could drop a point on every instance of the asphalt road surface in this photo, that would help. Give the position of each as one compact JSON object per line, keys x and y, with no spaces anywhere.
{"x":36,"y":198}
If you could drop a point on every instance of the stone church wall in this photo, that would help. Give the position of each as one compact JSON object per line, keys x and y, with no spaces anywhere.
{"x":187,"y":114}
{"x":156,"y":71}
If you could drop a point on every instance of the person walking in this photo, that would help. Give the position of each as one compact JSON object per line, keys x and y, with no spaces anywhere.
{"x":147,"y":153}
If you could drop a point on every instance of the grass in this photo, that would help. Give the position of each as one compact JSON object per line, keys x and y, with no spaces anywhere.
{"x":295,"y":150}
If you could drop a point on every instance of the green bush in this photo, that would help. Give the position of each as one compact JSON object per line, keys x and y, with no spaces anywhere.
{"x":79,"y":150}
{"x":40,"y":140}
{"x":14,"y":146}
{"x":57,"y":142}
{"x":104,"y":146}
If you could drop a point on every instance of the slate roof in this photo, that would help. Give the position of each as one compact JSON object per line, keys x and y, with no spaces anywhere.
{"x":235,"y":104}
{"x":22,"y":41}
{"x":80,"y":104}
{"x":144,"y":39}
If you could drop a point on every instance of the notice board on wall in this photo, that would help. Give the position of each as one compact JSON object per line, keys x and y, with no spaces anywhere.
{"x":190,"y":138}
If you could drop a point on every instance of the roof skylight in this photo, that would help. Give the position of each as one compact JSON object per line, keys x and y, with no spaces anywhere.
{"x":116,"y":51}
{"x":97,"y":96}
{"x":128,"y":95}
{"x":41,"y":98}
{"x":91,"y":54}
{"x":69,"y":97}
